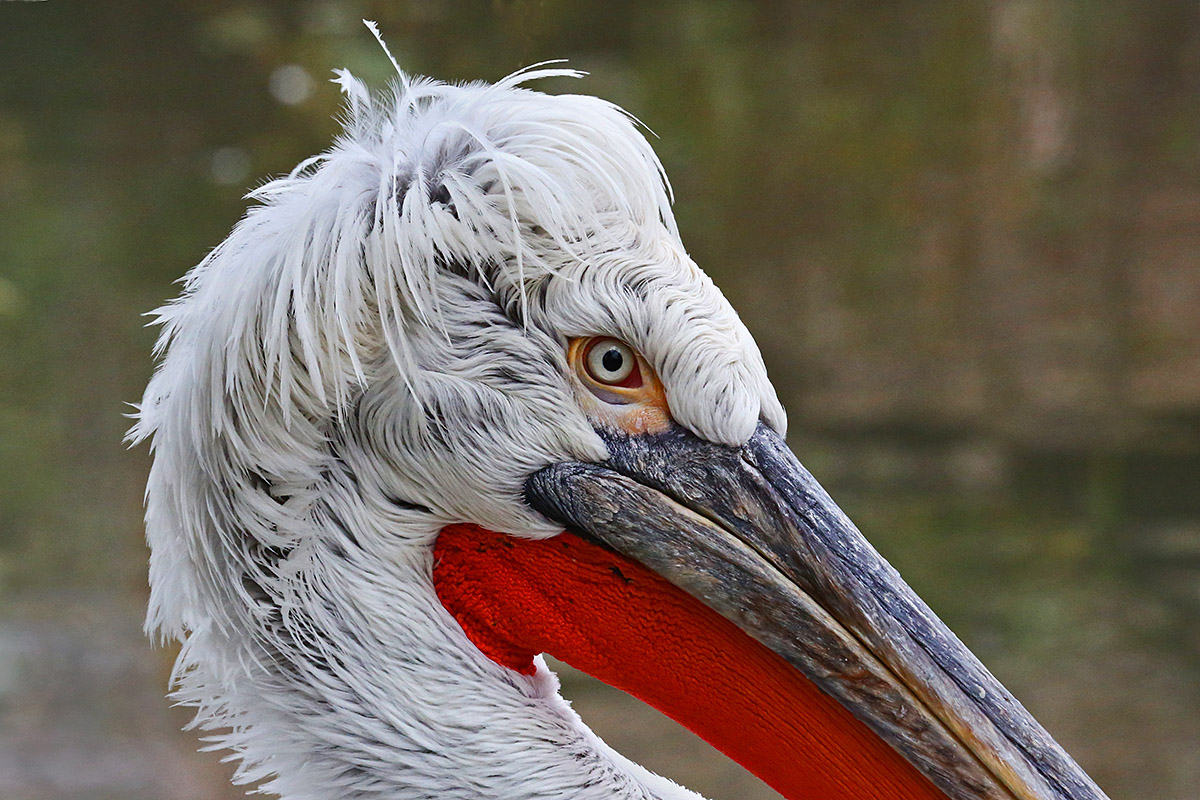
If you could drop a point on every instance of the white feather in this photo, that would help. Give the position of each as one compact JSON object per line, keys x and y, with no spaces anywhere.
{"x":374,"y":352}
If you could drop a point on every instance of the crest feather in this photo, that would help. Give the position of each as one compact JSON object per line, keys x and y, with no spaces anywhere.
{"x":501,"y":181}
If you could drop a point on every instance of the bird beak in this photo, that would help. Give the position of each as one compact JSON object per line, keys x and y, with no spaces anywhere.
{"x":750,"y":533}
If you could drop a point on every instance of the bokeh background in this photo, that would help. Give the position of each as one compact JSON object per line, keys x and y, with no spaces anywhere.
{"x":966,"y":236}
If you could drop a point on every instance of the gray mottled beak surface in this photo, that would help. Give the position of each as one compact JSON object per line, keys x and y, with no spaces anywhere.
{"x":750,"y":533}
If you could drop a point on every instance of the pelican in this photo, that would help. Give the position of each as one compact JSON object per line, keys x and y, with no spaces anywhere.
{"x":451,"y":396}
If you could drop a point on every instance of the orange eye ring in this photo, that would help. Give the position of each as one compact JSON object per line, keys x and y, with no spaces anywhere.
{"x":619,"y":388}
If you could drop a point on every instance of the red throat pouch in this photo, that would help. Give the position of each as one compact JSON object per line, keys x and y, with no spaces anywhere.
{"x":610,"y":617}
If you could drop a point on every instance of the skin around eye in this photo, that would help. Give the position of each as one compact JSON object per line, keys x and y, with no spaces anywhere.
{"x":617,"y":386}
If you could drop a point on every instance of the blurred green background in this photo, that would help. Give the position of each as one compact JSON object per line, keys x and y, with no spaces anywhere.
{"x":966,"y":236}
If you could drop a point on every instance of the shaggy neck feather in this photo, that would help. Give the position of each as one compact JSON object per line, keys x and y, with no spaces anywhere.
{"x":357,"y":683}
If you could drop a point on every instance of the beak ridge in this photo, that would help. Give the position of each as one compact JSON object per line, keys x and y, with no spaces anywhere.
{"x":749,"y":532}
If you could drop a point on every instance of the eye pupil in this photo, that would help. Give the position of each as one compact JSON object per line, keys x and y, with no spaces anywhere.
{"x":612,"y":360}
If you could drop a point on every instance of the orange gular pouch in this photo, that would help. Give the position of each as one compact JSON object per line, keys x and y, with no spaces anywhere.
{"x":612,"y":618}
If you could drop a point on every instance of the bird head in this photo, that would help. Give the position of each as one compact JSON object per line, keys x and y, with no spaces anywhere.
{"x":453,"y":394}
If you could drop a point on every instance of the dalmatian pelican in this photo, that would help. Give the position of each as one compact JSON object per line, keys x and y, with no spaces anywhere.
{"x":452,"y":396}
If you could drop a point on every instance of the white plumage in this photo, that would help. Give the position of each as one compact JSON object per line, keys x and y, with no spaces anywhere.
{"x":377,"y":351}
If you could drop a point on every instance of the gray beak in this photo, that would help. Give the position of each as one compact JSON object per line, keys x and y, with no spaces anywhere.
{"x":752,"y":535}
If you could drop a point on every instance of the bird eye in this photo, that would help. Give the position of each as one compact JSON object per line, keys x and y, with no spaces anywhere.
{"x":613,"y":363}
{"x":621,"y":388}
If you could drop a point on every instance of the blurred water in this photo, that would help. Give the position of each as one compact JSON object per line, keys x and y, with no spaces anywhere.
{"x":965,"y":236}
{"x":82,"y":713}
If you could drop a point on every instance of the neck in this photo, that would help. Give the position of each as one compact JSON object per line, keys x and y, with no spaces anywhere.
{"x":357,"y":683}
